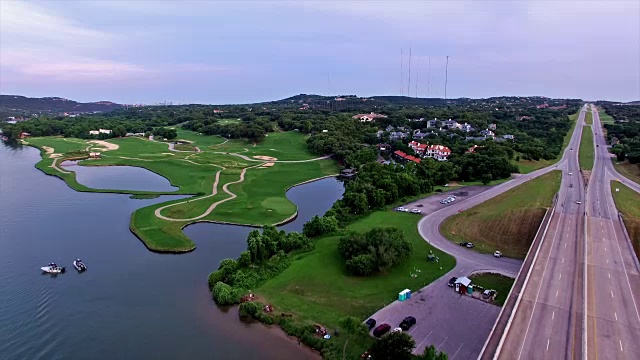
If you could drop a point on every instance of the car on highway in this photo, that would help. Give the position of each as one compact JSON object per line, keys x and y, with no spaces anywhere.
{"x":497,"y":254}
{"x":452,"y":281}
{"x":370,"y":323}
{"x":381,"y":330}
{"x":416,"y":211}
{"x":571,"y":149}
{"x":407,"y":323}
{"x":578,"y":202}
{"x":570,"y":185}
{"x":570,"y":173}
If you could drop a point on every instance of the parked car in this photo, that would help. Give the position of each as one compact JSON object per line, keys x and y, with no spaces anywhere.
{"x":452,"y":281}
{"x":370,"y":323}
{"x":464,"y":243}
{"x":395,"y":330}
{"x":400,"y":209}
{"x":497,"y":254}
{"x":381,"y":330}
{"x":419,"y":205}
{"x":470,"y":245}
{"x":416,"y":211}
{"x":407,"y":323}
{"x":488,"y":293}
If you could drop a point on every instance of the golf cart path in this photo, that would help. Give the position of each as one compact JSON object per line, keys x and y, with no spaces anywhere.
{"x":214,"y":192}
{"x":279,"y":161}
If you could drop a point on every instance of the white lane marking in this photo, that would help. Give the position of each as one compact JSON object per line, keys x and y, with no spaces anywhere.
{"x":548,"y":345}
{"x":607,"y":261}
{"x":425,"y":339}
{"x":605,"y":248}
{"x":565,"y":245}
{"x":557,"y":293}
{"x":611,"y":293}
{"x":616,"y":315}
{"x":609,"y":275}
{"x":445,"y":339}
{"x":454,"y":354}
{"x":560,"y":277}
{"x":620,"y":341}
{"x":562,"y":259}
{"x":553,"y":314}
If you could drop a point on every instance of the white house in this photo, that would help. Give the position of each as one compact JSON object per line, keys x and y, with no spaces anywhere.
{"x":94,"y":132}
{"x":418,"y":147}
{"x":438,"y":152}
{"x":105,"y":131}
{"x":368,"y":117}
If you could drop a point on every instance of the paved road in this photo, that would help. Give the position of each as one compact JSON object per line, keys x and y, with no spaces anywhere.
{"x":613,"y":324}
{"x":548,"y":322}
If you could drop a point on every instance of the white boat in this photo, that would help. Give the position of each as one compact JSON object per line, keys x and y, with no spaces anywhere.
{"x":79,"y":265}
{"x":52,"y":268}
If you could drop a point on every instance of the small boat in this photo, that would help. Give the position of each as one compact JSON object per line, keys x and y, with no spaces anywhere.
{"x":52,"y":268}
{"x":79,"y":265}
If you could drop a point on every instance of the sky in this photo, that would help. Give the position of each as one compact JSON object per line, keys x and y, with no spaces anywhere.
{"x":215,"y":52}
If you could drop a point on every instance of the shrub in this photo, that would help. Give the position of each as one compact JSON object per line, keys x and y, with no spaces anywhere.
{"x":215,"y":277}
{"x":248,"y":309}
{"x":361,"y":265}
{"x":245,"y":259}
{"x":224,"y":294}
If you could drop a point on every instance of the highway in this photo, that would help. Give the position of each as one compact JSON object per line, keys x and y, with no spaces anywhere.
{"x":548,"y":322}
{"x":613,"y":273}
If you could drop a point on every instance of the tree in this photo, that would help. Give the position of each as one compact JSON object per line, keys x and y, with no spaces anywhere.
{"x":395,"y":346}
{"x":361,"y":265}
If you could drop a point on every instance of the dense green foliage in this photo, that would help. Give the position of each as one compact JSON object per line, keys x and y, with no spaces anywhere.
{"x":624,"y":134}
{"x":374,"y":251}
{"x":319,"y":226}
{"x":395,"y":346}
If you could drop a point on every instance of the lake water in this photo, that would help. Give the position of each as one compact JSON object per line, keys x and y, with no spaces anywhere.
{"x":118,"y":177}
{"x":131,"y":303}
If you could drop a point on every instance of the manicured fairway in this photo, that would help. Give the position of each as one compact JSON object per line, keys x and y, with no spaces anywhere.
{"x":507,"y":222}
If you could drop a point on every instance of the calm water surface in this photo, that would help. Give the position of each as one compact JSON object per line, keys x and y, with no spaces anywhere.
{"x":118,"y":177}
{"x":131,"y":303}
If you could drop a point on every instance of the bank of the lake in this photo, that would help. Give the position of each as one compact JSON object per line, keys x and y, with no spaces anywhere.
{"x":131,"y":303}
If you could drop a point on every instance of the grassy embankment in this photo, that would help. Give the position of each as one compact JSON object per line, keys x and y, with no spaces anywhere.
{"x":507,"y":222}
{"x":628,"y":170}
{"x":627,"y":201}
{"x":588,"y":117}
{"x":587,"y":152}
{"x":260,"y":198}
{"x":605,"y":118}
{"x":501,"y":284}
{"x":316,"y":287}
{"x":527,"y":166}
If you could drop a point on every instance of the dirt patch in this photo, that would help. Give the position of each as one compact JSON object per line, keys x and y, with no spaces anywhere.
{"x":267,"y":165}
{"x":267,"y":158}
{"x":107,"y":145}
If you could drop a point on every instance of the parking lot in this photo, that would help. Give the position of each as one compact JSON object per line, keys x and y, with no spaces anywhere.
{"x":456,"y":324}
{"x":432,"y":203}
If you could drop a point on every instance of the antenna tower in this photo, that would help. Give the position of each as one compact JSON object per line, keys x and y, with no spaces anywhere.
{"x":409,"y":82}
{"x":429,"y":78}
{"x":401,"y":73}
{"x":446,"y":77}
{"x":417,"y":78}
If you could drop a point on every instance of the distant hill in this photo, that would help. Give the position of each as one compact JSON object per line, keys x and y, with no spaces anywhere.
{"x":24,"y":105}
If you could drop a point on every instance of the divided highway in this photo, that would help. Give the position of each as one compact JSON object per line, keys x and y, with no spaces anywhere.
{"x":548,"y":321}
{"x":613,"y":273}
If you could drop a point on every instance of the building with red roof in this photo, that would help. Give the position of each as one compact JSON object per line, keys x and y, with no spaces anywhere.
{"x":438,"y":152}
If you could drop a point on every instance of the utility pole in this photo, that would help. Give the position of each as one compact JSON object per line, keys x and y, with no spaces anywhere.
{"x":446,"y":77}
{"x":401,"y":73}
{"x":409,"y":82}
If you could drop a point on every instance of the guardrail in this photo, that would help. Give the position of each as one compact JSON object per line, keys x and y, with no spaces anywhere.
{"x":629,"y":242}
{"x":495,"y":341}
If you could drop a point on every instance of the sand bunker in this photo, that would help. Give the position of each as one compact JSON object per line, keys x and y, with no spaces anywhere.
{"x":267,"y":165}
{"x":51,"y":152}
{"x":267,"y":158}
{"x":107,"y":145}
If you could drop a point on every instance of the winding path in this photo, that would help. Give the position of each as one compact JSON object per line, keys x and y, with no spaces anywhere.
{"x":281,"y":161}
{"x":213,"y":193}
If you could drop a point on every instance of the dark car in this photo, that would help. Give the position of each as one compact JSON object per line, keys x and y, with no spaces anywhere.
{"x":381,"y":330}
{"x":419,"y":205}
{"x":452,"y":281}
{"x":370,"y":323}
{"x":463,"y":243}
{"x":407,"y":323}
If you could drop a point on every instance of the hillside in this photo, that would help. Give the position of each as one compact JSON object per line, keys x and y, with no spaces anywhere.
{"x":18,"y":105}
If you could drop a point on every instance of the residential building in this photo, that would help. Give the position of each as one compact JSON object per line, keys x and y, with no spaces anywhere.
{"x":94,"y":155}
{"x":398,"y":135}
{"x":466,"y":128}
{"x":418,"y":135}
{"x":24,"y":135}
{"x":487,"y":133}
{"x":94,"y":132}
{"x":105,"y":131}
{"x":400,"y":155}
{"x":438,"y":152}
{"x":217,"y":111}
{"x":450,"y":124}
{"x":508,"y":137}
{"x":368,"y":117}
{"x":475,"y":138}
{"x":418,"y":147}
{"x":384,"y":147}
{"x":432,"y":123}
{"x":492,"y":126}
{"x":473,"y":149}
